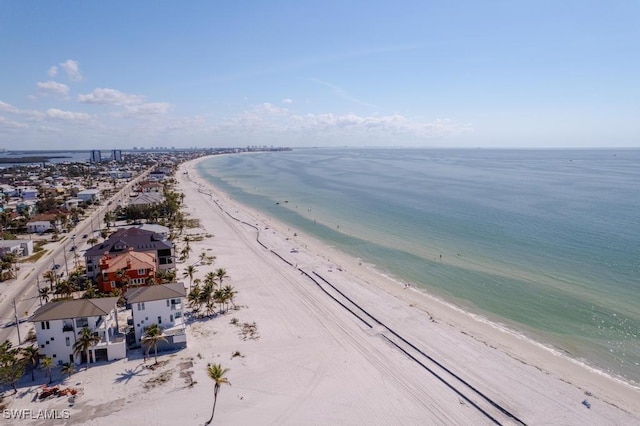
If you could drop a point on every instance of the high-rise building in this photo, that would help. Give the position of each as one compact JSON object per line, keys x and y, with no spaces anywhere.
{"x":96,"y":156}
{"x":116,"y":155}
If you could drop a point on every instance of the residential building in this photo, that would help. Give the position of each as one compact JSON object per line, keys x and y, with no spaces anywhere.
{"x":160,"y":230}
{"x":73,"y":203}
{"x":26,"y":208}
{"x":43,"y":223}
{"x":138,"y":239}
{"x":133,"y":268}
{"x":87,"y":195}
{"x":151,"y":186}
{"x":159,"y":304}
{"x":29,"y":194}
{"x":147,"y":199}
{"x":18,"y":247}
{"x":8,"y":190}
{"x":58,"y":323}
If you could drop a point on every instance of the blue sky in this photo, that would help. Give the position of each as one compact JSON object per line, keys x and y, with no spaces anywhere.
{"x":118,"y":74}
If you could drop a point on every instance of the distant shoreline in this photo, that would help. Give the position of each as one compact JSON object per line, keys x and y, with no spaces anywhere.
{"x":13,"y":160}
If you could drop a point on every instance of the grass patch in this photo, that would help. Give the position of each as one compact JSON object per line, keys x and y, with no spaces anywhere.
{"x":35,"y":257}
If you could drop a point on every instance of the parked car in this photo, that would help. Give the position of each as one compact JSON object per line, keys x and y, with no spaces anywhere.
{"x":56,"y":266}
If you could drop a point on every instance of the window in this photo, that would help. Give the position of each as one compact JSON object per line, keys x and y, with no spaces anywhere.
{"x":141,"y":271}
{"x":178,"y":314}
{"x":67,"y":341}
{"x":53,"y":338}
{"x":82,"y":322}
{"x":45,"y":325}
{"x":54,"y":355}
{"x":159,"y":320}
{"x":168,"y":303}
{"x":113,"y":284}
{"x":141,"y":306}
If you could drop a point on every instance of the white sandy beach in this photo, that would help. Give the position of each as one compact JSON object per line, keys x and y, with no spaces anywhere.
{"x":319,"y":359}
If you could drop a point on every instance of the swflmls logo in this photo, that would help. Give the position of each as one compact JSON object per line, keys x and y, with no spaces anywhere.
{"x":28,"y":414}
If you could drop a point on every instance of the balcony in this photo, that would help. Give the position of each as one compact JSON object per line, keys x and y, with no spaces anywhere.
{"x":176,"y":307}
{"x":67,"y":327}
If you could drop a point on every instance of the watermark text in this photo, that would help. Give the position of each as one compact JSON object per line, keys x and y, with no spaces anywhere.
{"x":29,"y":414}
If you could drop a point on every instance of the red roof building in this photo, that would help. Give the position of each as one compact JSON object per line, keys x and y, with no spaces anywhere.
{"x":130,"y":268}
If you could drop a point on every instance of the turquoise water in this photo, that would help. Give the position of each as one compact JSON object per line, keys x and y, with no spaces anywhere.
{"x":546,"y":242}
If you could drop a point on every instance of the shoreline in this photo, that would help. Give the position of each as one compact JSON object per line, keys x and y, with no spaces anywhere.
{"x":494,"y":322}
{"x":553,"y":360}
{"x":567,"y":309}
{"x":336,"y":343}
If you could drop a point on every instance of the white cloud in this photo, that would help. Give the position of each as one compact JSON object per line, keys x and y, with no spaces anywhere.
{"x":7,"y":125}
{"x":111,"y":97}
{"x":67,"y":115}
{"x":8,"y":108}
{"x":53,"y":71}
{"x":71,"y":68}
{"x":279,"y":124}
{"x":52,"y":88}
{"x":270,"y":109}
{"x":287,"y":101}
{"x":151,"y":108}
{"x":5,"y":107}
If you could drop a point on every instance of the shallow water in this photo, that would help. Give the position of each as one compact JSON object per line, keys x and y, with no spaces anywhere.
{"x":546,"y":242}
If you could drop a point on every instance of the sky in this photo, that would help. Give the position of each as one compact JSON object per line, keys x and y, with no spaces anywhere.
{"x":425,"y":73}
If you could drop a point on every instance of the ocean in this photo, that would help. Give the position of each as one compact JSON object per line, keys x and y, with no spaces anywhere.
{"x":544,"y":242}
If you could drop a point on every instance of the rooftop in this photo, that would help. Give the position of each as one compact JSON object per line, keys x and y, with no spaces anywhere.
{"x":78,"y":308}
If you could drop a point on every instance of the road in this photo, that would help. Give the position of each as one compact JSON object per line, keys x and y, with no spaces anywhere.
{"x":24,"y":289}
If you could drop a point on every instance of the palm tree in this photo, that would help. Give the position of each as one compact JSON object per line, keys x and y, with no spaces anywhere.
{"x":188,"y":273}
{"x":65,"y":288}
{"x":31,"y":356}
{"x":44,"y":294}
{"x":50,"y":276}
{"x":47,"y":365}
{"x":219,"y":296}
{"x":152,"y":337}
{"x":221,"y":274}
{"x":194,"y":300}
{"x":210,"y":278}
{"x":216,"y":373}
{"x":86,"y":340}
{"x":68,"y":368}
{"x":229,"y":294}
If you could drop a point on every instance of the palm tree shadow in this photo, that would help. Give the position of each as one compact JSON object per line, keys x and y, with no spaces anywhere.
{"x":128,"y":375}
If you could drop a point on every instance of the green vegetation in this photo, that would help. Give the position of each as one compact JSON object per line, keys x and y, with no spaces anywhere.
{"x":217,"y":374}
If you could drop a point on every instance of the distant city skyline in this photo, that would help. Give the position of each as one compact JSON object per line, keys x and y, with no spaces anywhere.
{"x":79,"y":75}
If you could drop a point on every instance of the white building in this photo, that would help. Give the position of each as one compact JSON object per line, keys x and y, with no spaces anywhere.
{"x":29,"y":194}
{"x":72,"y":203}
{"x":89,"y":195}
{"x":42,"y":223}
{"x":18,"y":247}
{"x":58,"y":323}
{"x":163,"y":305}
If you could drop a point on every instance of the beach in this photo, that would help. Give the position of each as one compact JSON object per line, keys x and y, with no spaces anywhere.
{"x":335,"y":342}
